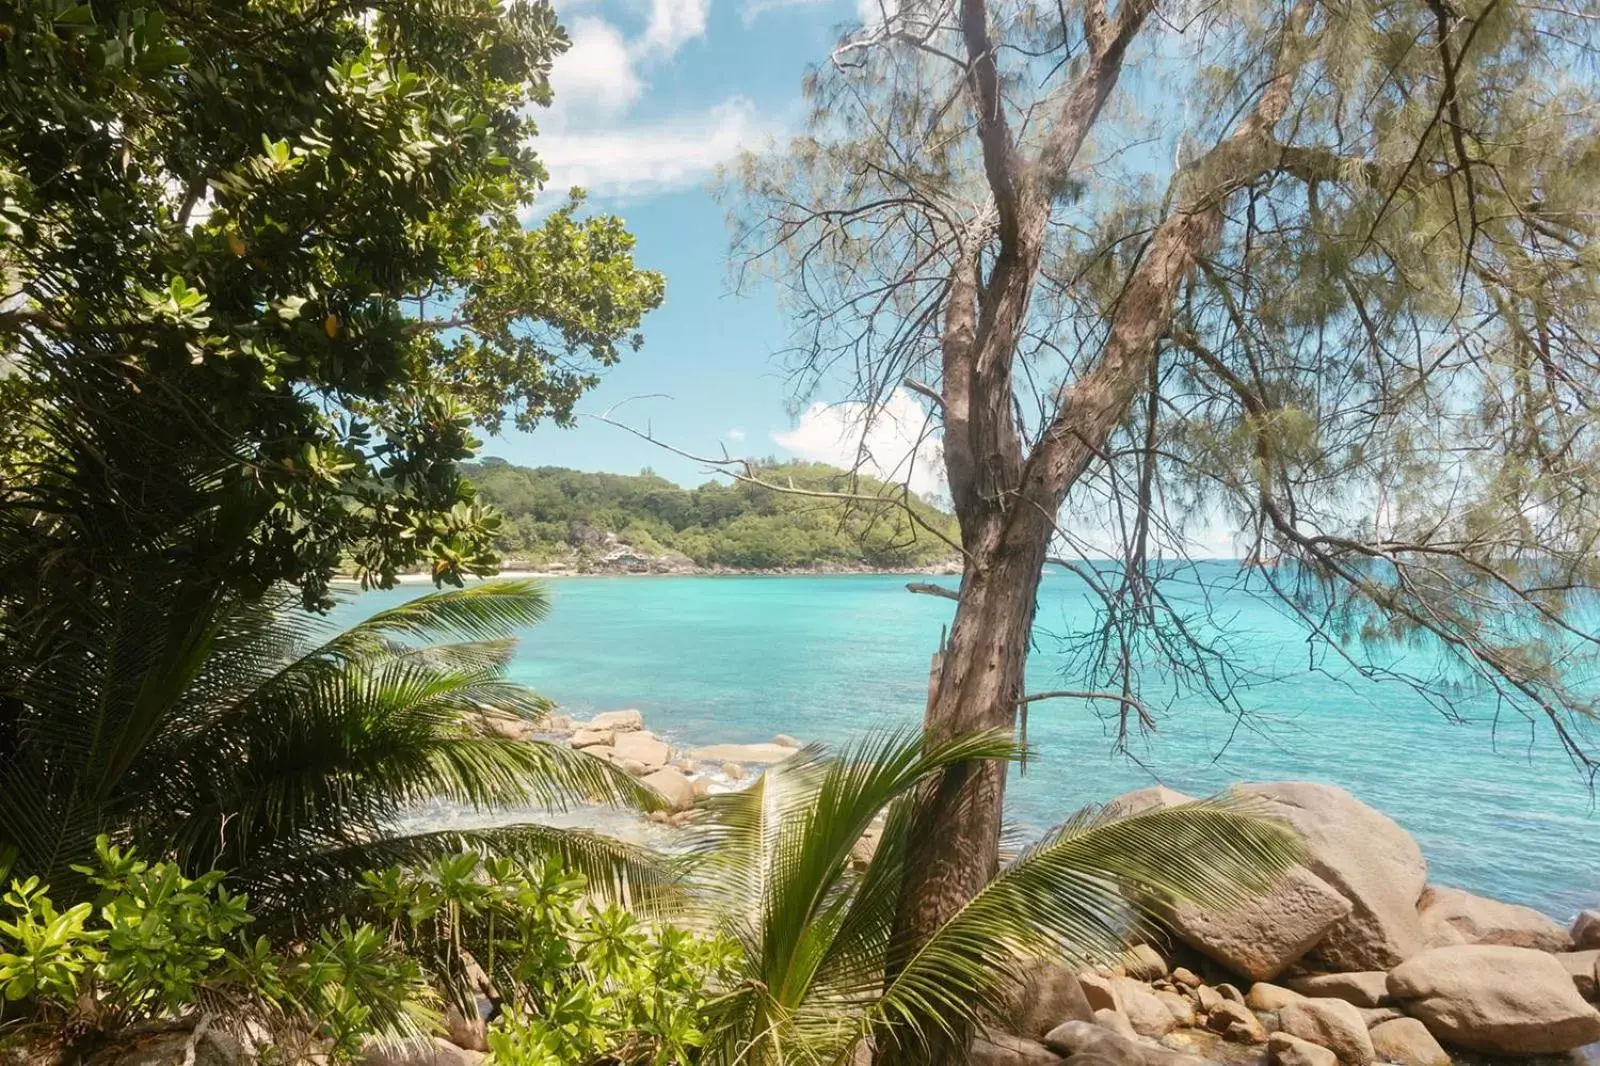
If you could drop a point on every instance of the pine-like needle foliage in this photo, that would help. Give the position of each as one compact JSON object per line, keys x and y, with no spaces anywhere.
{"x":774,"y":870}
{"x":249,"y":736}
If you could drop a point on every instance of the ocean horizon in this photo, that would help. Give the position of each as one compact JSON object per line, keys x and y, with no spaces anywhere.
{"x":1494,"y":802}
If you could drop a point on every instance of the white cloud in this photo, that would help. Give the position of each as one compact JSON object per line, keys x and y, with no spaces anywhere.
{"x":595,"y":78}
{"x":674,"y":23}
{"x":735,"y":435}
{"x":898,"y":443}
{"x":754,"y":9}
{"x":635,"y":159}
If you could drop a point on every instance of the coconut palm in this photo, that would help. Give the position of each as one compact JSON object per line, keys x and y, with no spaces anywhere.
{"x":248,"y":735}
{"x":778,"y":869}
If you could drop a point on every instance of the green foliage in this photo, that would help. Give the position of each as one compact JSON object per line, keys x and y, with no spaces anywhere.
{"x":274,"y":255}
{"x":156,"y":944}
{"x":580,"y":983}
{"x":553,"y":514}
{"x":250,"y":737}
{"x":822,"y":964}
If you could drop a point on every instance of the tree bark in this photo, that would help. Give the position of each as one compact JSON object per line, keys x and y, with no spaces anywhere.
{"x":1007,"y":501}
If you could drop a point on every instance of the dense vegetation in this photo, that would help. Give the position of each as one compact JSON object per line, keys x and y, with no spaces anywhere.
{"x":551,"y":514}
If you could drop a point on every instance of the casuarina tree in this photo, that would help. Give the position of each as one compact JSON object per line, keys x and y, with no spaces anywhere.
{"x":1317,"y":274}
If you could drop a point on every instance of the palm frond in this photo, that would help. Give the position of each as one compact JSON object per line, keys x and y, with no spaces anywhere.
{"x":1079,"y":895}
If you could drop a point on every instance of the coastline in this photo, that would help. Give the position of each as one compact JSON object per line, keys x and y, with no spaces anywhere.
{"x":517,"y":572}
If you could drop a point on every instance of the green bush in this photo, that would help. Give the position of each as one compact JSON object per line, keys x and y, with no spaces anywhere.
{"x":153,"y":944}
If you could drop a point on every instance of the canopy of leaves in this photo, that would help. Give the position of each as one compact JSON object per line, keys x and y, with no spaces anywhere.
{"x":1314,"y":277}
{"x":280,"y":249}
{"x":551,"y":513}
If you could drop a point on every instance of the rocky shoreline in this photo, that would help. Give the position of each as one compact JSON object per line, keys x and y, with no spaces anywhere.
{"x":1357,"y":958}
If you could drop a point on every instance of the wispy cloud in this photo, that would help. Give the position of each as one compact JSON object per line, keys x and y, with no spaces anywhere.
{"x":634,"y":159}
{"x":592,"y":138}
{"x":897,"y":442}
{"x":754,"y":9}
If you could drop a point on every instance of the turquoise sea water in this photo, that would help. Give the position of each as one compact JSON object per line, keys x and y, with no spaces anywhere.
{"x":1498,"y":809}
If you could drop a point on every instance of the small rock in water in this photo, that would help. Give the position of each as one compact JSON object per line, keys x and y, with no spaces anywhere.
{"x":1584,"y":966}
{"x":1451,"y":916}
{"x":1586,"y":930}
{"x":621,"y":721}
{"x":590,"y":737}
{"x":783,"y":740}
{"x":673,"y":787}
{"x":643,"y":747}
{"x":734,"y":772}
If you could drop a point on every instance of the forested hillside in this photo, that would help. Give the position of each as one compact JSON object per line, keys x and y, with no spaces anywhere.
{"x":559,"y":516}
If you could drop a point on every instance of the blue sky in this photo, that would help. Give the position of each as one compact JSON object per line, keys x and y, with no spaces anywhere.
{"x":652,"y":97}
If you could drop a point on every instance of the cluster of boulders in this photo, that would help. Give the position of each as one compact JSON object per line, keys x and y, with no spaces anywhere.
{"x":680,"y":777}
{"x":1354,"y":959}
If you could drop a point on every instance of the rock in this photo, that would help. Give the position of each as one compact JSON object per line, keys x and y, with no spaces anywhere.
{"x":1147,"y":799}
{"x":557,"y":725}
{"x":1144,"y":963}
{"x":1097,"y":990}
{"x":1003,"y":1049}
{"x":754,"y":754}
{"x":1586,"y":930}
{"x":673,"y":787}
{"x":1046,"y":995}
{"x":434,"y":1051}
{"x":1236,"y":1023}
{"x":1370,"y":988}
{"x":618,"y":721}
{"x":1266,"y":934}
{"x":1186,"y":978}
{"x":644,"y":748}
{"x":701,"y":786}
{"x":783,"y":740}
{"x":1408,"y":1042}
{"x":1333,"y":1023}
{"x":1378,"y":1015}
{"x":1286,"y":1050}
{"x":1146,"y":1012}
{"x":168,"y":1047}
{"x":1206,"y":999}
{"x":734,"y":772}
{"x":1488,"y":997}
{"x":1584,"y":968}
{"x":1084,"y":1042}
{"x":1265,"y":997}
{"x":627,"y":766}
{"x":507,"y":726}
{"x":1366,"y":857}
{"x":1117,"y":1022}
{"x":591,"y":738}
{"x":1451,"y":916}
{"x":464,"y":1032}
{"x":1179,"y":1007}
{"x":1227,"y":991}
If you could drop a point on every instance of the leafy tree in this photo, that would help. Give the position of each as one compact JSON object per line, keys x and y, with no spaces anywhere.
{"x":252,"y":738}
{"x":794,"y":515}
{"x":775,"y":869}
{"x":1319,"y":273}
{"x":280,"y":249}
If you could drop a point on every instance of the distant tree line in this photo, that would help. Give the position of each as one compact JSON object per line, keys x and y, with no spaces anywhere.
{"x":552,"y":513}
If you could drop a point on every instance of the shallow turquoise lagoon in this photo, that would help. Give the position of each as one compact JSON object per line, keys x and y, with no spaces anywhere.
{"x":1496,"y":806}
